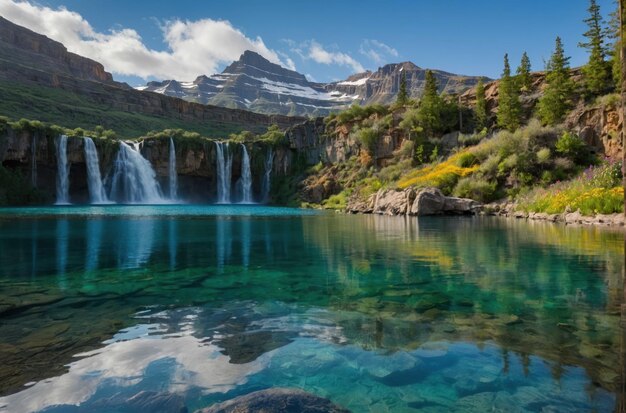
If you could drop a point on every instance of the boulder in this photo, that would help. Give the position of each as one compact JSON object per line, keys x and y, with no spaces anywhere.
{"x":276,"y":401}
{"x":428,"y":201}
{"x":393,"y":202}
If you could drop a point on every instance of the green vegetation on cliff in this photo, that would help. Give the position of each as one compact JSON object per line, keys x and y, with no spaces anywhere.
{"x":54,"y":105}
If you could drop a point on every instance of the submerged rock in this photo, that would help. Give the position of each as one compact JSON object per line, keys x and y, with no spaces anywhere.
{"x":276,"y":401}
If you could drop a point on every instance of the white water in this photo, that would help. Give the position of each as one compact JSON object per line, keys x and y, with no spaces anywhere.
{"x":224,"y":169}
{"x":267,"y":176}
{"x":33,"y":161}
{"x":97,"y":194}
{"x":173,"y":178}
{"x":246,"y":177}
{"x":133,"y":180}
{"x":63,"y":172}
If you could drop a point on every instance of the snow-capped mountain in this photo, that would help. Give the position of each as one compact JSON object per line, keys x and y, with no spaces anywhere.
{"x":256,"y":84}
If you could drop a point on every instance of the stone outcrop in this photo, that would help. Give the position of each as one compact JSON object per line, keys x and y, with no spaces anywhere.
{"x":422,"y":202}
{"x":310,"y":141}
{"x":600,"y":126}
{"x":277,"y":400}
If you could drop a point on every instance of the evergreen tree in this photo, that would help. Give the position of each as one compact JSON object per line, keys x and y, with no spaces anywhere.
{"x":403,"y":96}
{"x":614,"y":51}
{"x":430,"y":110}
{"x":556,"y":99}
{"x":509,"y":107}
{"x":597,"y":72}
{"x":524,"y":81}
{"x":481,"y":106}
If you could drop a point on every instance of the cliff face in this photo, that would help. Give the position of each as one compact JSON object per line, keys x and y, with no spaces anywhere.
{"x":31,"y":59}
{"x":34,"y":155}
{"x":19,"y":44}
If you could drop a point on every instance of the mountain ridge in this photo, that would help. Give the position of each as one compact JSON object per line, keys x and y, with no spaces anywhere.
{"x":254,"y":83}
{"x":40,"y":79}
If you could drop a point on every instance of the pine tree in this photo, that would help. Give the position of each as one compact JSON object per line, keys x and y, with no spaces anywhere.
{"x":403,"y":96}
{"x":524,"y":81}
{"x":614,"y":51}
{"x":481,"y":106}
{"x":596,"y":72}
{"x":556,"y":99}
{"x":509,"y":107}
{"x":431,"y":108}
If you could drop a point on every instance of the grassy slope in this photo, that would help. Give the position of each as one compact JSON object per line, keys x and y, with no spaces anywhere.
{"x":65,"y":108}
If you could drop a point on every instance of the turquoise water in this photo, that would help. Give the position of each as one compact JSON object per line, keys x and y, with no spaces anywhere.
{"x":193,"y":305}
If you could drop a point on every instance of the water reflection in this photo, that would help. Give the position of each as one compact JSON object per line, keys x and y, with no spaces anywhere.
{"x":62,"y":239}
{"x":539,"y":303}
{"x":94,"y":240}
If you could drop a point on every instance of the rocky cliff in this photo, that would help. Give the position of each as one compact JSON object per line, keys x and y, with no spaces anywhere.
{"x":599,"y":123}
{"x":33,"y":155}
{"x":41,"y":65}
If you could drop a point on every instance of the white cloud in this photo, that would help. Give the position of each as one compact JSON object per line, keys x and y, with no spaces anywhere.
{"x":193,"y":47}
{"x":321,"y":55}
{"x":377,"y":51}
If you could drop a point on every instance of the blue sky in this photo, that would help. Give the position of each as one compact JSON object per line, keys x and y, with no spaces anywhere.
{"x":327,"y":40}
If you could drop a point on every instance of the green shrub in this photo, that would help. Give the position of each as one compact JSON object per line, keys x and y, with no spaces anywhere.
{"x":336,"y":202}
{"x":368,"y":137}
{"x":543,"y":155}
{"x":475,"y":188}
{"x":467,"y":159}
{"x":572,"y":146}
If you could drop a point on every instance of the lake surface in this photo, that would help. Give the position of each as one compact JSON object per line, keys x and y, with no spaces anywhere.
{"x":109,"y":309}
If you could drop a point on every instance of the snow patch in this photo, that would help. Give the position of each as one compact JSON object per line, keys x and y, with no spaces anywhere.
{"x":359,"y":82}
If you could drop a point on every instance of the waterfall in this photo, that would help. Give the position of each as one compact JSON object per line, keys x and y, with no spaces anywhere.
{"x":33,"y":161}
{"x":267,"y":176}
{"x":224,"y":168}
{"x":246,"y":177}
{"x":133,"y":179}
{"x":97,"y":195}
{"x":63,"y":172}
{"x":172,"y":172}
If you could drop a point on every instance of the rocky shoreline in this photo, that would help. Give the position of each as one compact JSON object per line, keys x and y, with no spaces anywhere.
{"x":568,"y":218}
{"x":431,"y":201}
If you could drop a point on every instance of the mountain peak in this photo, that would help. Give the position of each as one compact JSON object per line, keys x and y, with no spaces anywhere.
{"x":253,"y":64}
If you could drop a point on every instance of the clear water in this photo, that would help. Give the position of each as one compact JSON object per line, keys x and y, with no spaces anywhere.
{"x":200,"y":304}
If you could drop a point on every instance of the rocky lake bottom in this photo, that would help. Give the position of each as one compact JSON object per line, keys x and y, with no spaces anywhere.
{"x":176,"y":308}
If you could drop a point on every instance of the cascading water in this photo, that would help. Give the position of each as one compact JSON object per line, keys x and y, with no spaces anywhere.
{"x":63,"y":172}
{"x":267,"y":176}
{"x":246,"y":177}
{"x":97,"y":194}
{"x":133,"y":179}
{"x":173,"y":178}
{"x":224,"y":168}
